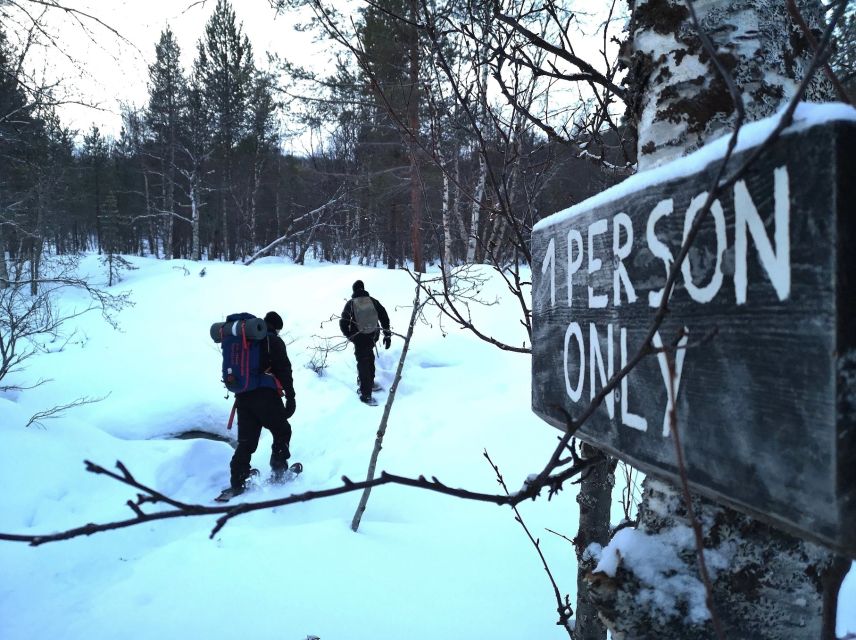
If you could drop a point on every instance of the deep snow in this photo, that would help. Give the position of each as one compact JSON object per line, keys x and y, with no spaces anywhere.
{"x":422,"y":565}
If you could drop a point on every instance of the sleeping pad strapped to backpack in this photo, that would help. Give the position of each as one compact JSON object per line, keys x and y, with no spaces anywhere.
{"x":240,"y":339}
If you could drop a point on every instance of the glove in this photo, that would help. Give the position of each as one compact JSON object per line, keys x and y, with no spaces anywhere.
{"x":387,"y":340}
{"x":290,"y":407}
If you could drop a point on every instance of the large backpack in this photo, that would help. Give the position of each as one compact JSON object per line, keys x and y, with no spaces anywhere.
{"x":365,"y":314}
{"x":241,"y":338}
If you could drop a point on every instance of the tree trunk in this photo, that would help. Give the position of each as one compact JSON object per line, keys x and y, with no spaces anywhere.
{"x":594,"y":499}
{"x":194,"y":214}
{"x":153,"y":247}
{"x":166,"y":199}
{"x":413,"y":122}
{"x":677,"y":98}
{"x":766,"y":583}
{"x":4,"y":271}
{"x":472,"y":238}
{"x":456,"y":210}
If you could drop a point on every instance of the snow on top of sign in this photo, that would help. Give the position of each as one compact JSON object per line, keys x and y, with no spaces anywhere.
{"x":807,"y":115}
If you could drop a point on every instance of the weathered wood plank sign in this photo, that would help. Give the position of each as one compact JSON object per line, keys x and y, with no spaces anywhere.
{"x":767,"y":406}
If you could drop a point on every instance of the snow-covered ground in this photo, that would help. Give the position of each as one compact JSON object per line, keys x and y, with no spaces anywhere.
{"x":422,"y":566}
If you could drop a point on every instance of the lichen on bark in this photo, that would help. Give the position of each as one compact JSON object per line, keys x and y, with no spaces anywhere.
{"x":676,"y":96}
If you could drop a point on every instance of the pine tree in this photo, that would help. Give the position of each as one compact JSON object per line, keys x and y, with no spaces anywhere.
{"x":167,"y":99}
{"x":196,"y":149}
{"x":392,"y":58}
{"x":96,"y":151}
{"x":261,"y":139}
{"x":115,"y":231}
{"x":224,"y":69}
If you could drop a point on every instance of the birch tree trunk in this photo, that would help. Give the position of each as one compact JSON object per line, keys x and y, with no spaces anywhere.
{"x":456,"y":209}
{"x":678,"y":100}
{"x":766,"y":583}
{"x":447,"y":220}
{"x":472,"y":238}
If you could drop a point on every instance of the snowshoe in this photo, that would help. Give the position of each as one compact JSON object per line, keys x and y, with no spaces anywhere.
{"x":230,"y":492}
{"x":368,"y":400}
{"x":287,"y":475}
{"x":375,"y":387}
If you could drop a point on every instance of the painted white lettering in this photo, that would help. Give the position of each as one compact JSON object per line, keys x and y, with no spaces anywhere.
{"x":660,"y":250}
{"x":573,"y":262}
{"x":594,"y":265}
{"x":680,"y":355}
{"x":706,"y":293}
{"x":776,"y":263}
{"x":596,"y":363}
{"x":632,"y":420}
{"x":620,"y":252}
{"x":550,"y":263}
{"x":577,"y":392}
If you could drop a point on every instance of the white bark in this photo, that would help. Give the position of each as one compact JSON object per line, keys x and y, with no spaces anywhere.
{"x":447,"y":222}
{"x":766,"y":584}
{"x":472,"y":239}
{"x":682,"y":102}
{"x":456,"y":209}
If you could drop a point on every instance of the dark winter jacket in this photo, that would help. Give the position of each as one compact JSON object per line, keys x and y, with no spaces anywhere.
{"x":274,"y":358}
{"x":348,"y":326}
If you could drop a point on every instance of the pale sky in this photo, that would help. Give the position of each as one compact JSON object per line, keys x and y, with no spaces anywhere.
{"x":98,"y":67}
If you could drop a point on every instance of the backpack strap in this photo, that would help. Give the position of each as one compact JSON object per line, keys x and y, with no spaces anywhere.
{"x":269,"y":372}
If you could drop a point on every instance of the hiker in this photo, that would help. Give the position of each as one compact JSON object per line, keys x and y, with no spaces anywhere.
{"x":263,"y":407}
{"x":359,"y":324}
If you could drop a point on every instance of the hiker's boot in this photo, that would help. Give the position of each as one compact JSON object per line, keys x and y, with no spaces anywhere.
{"x":278,"y":472}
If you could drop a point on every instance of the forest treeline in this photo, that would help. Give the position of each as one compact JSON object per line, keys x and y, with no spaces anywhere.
{"x":417,"y":162}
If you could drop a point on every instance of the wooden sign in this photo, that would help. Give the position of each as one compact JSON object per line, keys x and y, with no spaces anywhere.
{"x":763,"y":315}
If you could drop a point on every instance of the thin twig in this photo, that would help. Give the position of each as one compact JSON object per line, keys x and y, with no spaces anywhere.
{"x":563,"y":607}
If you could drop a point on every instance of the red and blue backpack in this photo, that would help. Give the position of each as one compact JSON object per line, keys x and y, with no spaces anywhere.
{"x":242,"y":338}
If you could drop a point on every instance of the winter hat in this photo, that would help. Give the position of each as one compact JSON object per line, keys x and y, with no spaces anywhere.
{"x":359,"y":286}
{"x":274,"y":320}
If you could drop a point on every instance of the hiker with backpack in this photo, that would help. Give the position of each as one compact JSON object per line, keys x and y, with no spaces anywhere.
{"x":359,"y":324}
{"x":257,"y":370}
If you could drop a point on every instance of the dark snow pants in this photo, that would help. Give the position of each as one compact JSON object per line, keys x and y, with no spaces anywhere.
{"x":364,"y":352}
{"x":256,"y":409}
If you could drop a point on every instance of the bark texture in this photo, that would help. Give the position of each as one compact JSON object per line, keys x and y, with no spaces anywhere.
{"x":766,"y":583}
{"x":595,"y":500}
{"x":676,"y":96}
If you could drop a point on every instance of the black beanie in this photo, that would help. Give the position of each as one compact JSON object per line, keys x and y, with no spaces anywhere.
{"x":359,"y":286}
{"x":274,"y":320}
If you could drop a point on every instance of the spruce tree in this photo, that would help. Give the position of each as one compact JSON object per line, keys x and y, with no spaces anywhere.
{"x":167,"y":99}
{"x":224,"y":69}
